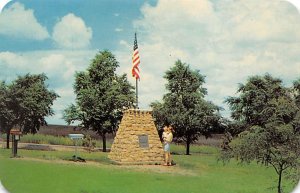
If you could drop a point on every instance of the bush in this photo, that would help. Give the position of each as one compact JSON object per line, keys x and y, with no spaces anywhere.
{"x":88,"y":143}
{"x":57,"y":140}
{"x":47,"y":139}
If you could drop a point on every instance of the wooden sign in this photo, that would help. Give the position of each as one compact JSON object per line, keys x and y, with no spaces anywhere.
{"x":15,"y":132}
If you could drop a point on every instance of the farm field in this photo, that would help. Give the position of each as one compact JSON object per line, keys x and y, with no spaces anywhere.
{"x":50,"y":171}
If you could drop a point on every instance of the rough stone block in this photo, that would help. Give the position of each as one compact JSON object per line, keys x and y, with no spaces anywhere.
{"x":126,"y":148}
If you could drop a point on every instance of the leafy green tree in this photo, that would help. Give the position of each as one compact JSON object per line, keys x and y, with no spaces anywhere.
{"x":101,"y":96}
{"x":33,"y":101}
{"x":268,"y":118}
{"x":184,"y":106}
{"x":7,"y":117}
{"x":25,"y":103}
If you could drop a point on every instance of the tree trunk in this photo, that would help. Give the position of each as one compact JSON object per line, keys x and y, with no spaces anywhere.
{"x":188,"y":143}
{"x":104,"y":142}
{"x":279,"y":179}
{"x":7,"y":138}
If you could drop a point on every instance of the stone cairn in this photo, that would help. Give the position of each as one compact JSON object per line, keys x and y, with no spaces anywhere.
{"x":137,"y":140}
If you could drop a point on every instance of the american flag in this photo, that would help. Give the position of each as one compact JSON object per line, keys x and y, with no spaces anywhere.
{"x":135,"y":60}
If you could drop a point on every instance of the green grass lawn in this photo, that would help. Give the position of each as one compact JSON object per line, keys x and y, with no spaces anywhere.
{"x":199,"y":172}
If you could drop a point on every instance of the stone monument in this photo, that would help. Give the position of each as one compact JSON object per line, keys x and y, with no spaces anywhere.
{"x":137,"y":140}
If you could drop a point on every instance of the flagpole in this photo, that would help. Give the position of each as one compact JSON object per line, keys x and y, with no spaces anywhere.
{"x":136,"y":90}
{"x":135,"y":69}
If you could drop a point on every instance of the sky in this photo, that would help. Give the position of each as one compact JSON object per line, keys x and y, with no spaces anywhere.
{"x":227,"y":40}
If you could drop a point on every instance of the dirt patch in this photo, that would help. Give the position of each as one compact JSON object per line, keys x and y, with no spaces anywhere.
{"x":37,"y":147}
{"x":34,"y":146}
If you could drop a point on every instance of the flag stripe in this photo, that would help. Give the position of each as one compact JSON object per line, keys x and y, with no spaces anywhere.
{"x":135,"y":60}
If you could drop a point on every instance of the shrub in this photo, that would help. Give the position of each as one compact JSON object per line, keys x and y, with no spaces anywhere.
{"x":59,"y":140}
{"x":47,"y":139}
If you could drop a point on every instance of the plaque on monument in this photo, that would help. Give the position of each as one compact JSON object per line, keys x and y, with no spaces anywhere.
{"x":143,"y":141}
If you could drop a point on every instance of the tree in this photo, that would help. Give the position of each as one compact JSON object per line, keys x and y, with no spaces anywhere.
{"x":184,"y":106}
{"x":101,"y":96}
{"x":25,"y":103}
{"x":33,"y":101}
{"x":7,"y":117}
{"x":269,"y":120}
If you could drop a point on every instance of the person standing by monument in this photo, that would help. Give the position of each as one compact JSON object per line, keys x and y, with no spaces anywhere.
{"x":167,"y":137}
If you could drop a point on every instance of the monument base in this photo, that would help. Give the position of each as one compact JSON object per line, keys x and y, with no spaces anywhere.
{"x":137,"y":141}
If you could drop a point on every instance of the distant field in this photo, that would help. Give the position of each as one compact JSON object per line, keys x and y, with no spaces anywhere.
{"x":58,"y":135}
{"x":49,"y":172}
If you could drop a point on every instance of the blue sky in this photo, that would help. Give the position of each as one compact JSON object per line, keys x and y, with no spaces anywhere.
{"x":227,"y":40}
{"x":103,"y":16}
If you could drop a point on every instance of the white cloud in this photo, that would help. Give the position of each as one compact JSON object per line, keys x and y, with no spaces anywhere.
{"x":18,"y":22}
{"x":227,"y":40}
{"x":58,"y":65}
{"x":52,"y":62}
{"x":124,"y":43}
{"x":12,"y":60}
{"x":66,"y":97}
{"x":119,"y":29}
{"x":268,"y":21}
{"x":72,"y":33}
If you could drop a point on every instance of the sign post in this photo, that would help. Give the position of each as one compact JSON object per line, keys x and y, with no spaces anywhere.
{"x":76,"y":137}
{"x":15,"y":133}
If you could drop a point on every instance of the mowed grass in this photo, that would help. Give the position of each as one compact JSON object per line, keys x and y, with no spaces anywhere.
{"x":196,"y":173}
